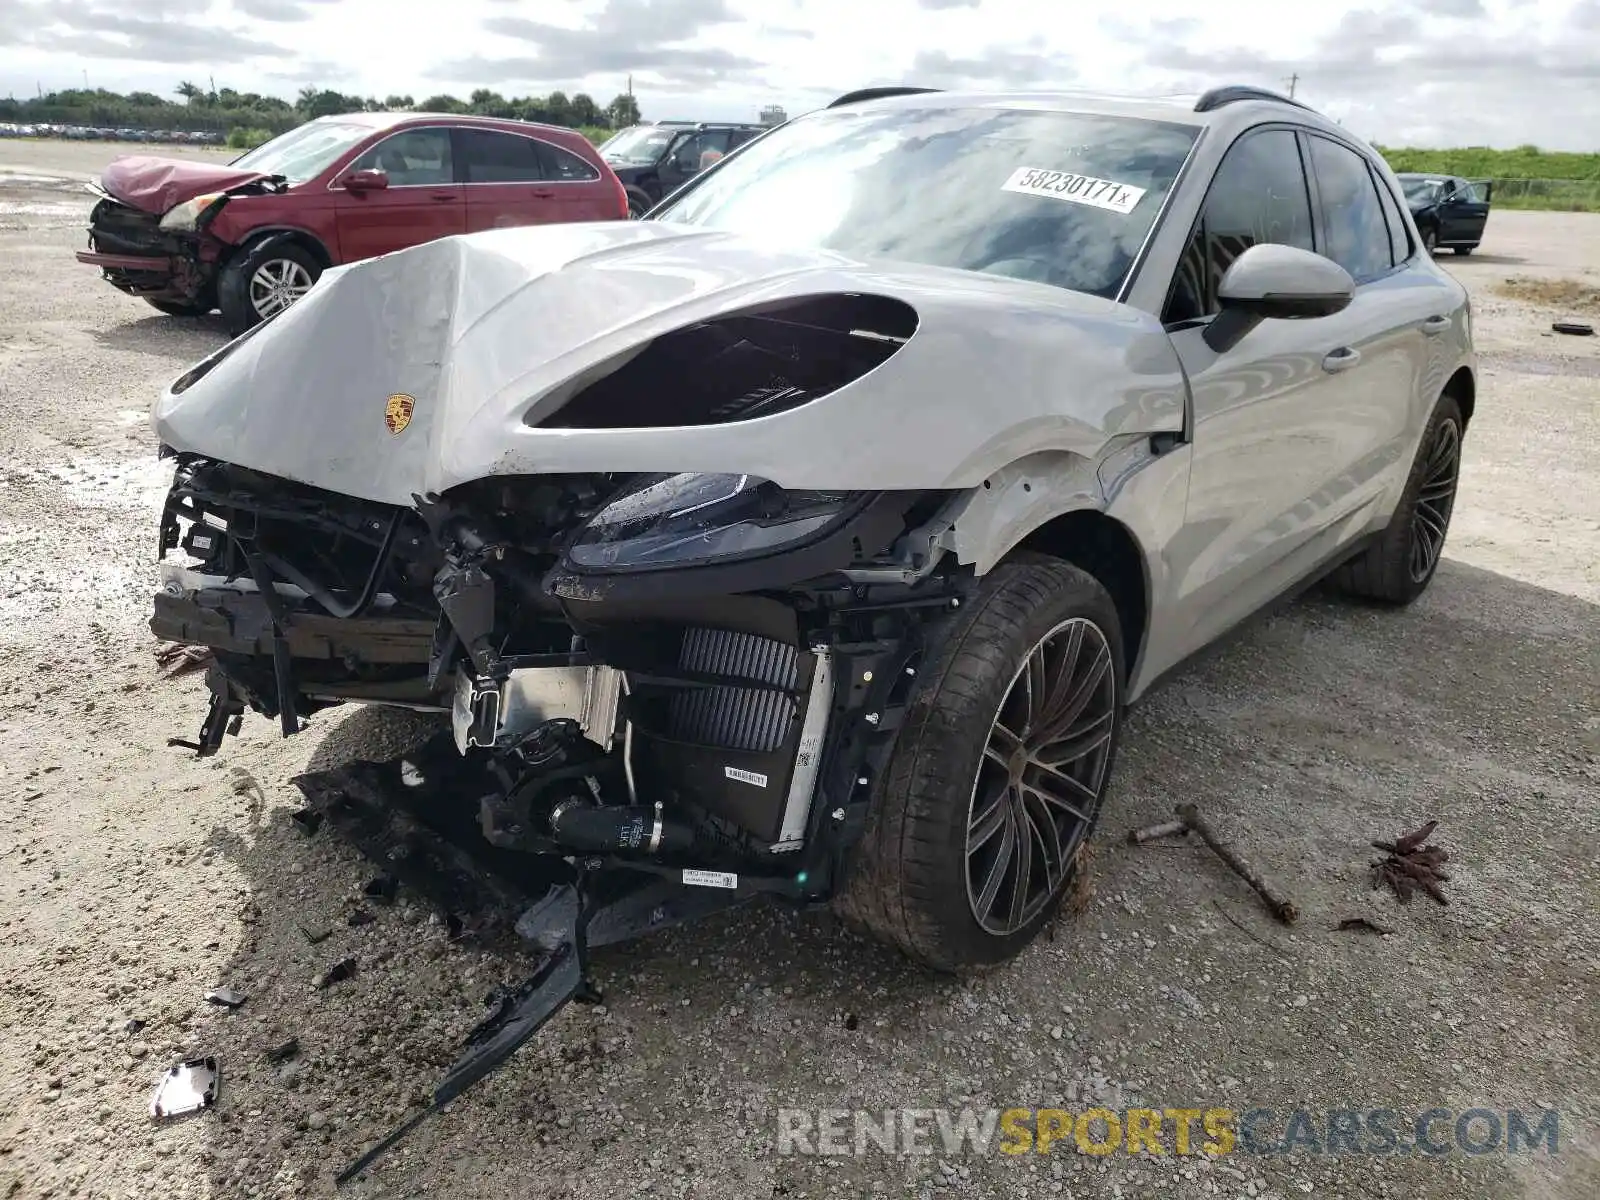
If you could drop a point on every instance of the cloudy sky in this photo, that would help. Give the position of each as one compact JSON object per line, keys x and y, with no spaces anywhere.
{"x":1419,"y":72}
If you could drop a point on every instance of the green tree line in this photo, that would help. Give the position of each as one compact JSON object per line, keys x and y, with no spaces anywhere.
{"x":193,"y":109}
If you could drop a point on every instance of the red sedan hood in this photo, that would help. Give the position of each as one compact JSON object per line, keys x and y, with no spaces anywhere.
{"x":156,"y":184}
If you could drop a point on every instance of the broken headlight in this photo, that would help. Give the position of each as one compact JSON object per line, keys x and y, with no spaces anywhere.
{"x":692,"y":519}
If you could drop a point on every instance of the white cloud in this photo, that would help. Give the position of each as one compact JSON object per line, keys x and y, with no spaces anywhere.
{"x":1436,"y":72}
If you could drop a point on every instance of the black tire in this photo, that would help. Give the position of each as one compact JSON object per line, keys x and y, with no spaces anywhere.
{"x":1430,"y":240}
{"x":178,"y":308}
{"x":241,"y":310}
{"x":1463,"y":251}
{"x":910,"y":885}
{"x":1387,"y":572}
{"x":639,"y":203}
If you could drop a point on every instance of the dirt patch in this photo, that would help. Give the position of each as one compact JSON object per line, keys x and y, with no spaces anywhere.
{"x":1568,"y":295}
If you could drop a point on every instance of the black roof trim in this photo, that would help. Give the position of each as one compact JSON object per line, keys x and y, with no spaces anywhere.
{"x":879,"y":93}
{"x":1233,"y":93}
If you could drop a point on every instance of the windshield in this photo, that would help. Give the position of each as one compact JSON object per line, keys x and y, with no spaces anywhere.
{"x":1419,"y":187}
{"x":305,"y":152}
{"x":641,"y":144}
{"x":1059,"y":198}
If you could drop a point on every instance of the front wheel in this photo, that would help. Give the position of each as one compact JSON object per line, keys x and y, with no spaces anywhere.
{"x":263,"y":281}
{"x":996,"y":781}
{"x":1399,"y":566}
{"x":638,"y":204}
{"x":1430,"y":240}
{"x":1463,"y":251}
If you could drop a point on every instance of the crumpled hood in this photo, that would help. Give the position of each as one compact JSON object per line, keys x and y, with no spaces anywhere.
{"x":474,"y":331}
{"x":153,"y":184}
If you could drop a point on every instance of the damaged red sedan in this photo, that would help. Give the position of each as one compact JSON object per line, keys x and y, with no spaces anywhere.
{"x":250,"y":237}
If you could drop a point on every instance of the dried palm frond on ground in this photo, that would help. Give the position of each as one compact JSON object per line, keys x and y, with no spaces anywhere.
{"x":174,"y":658}
{"x":1412,"y":864}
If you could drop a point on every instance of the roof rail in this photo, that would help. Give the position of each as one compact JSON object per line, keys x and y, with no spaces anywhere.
{"x":1233,"y":93}
{"x":878,"y":93}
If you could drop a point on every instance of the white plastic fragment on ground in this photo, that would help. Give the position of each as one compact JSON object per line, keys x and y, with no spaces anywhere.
{"x":185,"y":1088}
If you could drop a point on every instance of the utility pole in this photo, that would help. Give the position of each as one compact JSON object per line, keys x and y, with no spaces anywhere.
{"x":630,"y":83}
{"x":1293,"y":79}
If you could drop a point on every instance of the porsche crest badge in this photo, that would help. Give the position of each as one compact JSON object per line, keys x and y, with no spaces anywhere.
{"x":397,"y":413}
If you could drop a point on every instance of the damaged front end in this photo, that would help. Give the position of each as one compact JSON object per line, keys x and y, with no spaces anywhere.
{"x":666,"y":694}
{"x":166,"y":256}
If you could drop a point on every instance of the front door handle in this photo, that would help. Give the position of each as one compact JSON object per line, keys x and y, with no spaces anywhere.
{"x":1435,"y":325}
{"x":442,"y":197}
{"x":543,"y":194}
{"x":1341,"y":359}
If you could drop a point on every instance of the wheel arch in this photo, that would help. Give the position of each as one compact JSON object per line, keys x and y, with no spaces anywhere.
{"x":1108,"y":550}
{"x":292,"y":234}
{"x":1462,"y":387}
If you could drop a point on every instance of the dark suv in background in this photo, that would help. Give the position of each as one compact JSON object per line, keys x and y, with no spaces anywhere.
{"x":653,"y":160}
{"x":1450,"y":212}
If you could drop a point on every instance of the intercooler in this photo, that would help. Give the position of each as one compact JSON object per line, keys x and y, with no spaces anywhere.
{"x":734,"y":716}
{"x":741,"y":732}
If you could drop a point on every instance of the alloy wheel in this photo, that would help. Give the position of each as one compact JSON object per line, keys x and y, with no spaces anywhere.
{"x":1040,"y":780}
{"x":276,"y":284}
{"x":1430,"y":520}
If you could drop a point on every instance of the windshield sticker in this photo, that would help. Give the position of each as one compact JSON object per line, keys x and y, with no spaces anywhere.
{"x":1080,"y":189}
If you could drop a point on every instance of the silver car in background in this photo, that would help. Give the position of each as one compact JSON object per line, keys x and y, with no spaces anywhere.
{"x":809,"y":538}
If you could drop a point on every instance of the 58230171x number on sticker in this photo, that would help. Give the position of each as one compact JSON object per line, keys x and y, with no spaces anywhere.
{"x":1080,"y":189}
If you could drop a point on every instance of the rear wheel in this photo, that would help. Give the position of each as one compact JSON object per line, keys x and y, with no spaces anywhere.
{"x":1430,"y":240}
{"x":996,"y":781}
{"x":263,"y":281}
{"x":1400,"y":565}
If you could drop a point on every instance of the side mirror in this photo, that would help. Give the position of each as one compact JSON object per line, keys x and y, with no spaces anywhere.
{"x":365,"y":181}
{"x":1269,"y":282}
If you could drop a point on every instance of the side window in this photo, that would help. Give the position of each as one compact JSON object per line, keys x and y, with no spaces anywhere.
{"x":1352,"y":216}
{"x":565,"y":166}
{"x":699,"y":150}
{"x":1258,"y":195}
{"x":412,"y":158}
{"x":491,"y":157}
{"x":1475,"y":193}
{"x":1399,"y":239}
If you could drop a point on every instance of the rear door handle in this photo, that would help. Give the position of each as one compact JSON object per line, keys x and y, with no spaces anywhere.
{"x":1341,"y":359}
{"x":442,"y":197}
{"x":1435,"y":325}
{"x":543,"y":194}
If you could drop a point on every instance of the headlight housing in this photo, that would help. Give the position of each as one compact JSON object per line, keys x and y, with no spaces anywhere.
{"x":186,"y":217}
{"x":666,"y":521}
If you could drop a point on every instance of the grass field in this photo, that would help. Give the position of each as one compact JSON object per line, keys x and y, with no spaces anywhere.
{"x":1526,"y":177}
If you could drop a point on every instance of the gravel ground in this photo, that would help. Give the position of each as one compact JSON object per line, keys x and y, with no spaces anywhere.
{"x":135,"y":878}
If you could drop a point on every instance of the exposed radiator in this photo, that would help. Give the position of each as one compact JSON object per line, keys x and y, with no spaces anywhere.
{"x":733,"y":717}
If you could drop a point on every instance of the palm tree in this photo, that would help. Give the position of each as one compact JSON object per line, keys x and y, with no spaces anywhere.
{"x":188,"y":91}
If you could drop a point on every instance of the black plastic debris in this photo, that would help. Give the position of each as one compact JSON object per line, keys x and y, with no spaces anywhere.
{"x":187,"y":1087}
{"x":283,"y":1053}
{"x":308,"y":819}
{"x":226,"y":997}
{"x":454,"y":927}
{"x":382,"y":890}
{"x":316,"y":933}
{"x":344,"y":969}
{"x":133,"y":1026}
{"x":852,"y":1022}
{"x":1575,"y":328}
{"x":359,"y":917}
